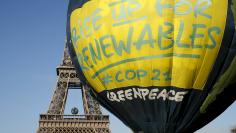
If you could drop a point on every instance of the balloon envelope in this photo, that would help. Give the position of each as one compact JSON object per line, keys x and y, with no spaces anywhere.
{"x":158,"y":65}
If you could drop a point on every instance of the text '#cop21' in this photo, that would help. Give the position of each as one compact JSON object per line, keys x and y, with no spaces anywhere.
{"x":108,"y":46}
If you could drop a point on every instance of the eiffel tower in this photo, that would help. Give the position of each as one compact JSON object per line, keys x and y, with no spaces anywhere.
{"x":55,"y":121}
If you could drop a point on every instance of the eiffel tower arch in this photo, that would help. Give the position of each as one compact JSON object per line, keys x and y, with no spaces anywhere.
{"x":55,"y":121}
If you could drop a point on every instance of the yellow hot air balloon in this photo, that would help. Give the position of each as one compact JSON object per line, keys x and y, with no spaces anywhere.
{"x":158,"y":65}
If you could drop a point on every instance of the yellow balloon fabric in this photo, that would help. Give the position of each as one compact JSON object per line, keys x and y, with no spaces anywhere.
{"x":122,"y":43}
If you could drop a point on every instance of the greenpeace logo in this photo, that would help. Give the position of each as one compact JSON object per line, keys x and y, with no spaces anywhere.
{"x":146,"y":94}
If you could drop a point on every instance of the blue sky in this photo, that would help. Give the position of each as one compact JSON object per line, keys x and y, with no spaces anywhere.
{"x":32,"y":34}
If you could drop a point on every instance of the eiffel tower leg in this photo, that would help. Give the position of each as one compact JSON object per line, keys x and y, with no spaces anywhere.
{"x":58,"y":101}
{"x":91,"y":105}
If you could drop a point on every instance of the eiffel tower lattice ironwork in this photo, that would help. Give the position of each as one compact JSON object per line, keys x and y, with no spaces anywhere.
{"x":55,"y":121}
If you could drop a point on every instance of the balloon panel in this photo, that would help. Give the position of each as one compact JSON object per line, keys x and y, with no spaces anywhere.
{"x":147,"y":43}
